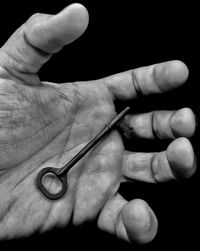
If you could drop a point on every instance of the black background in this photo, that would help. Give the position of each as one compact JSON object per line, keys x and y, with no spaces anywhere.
{"x":124,"y":35}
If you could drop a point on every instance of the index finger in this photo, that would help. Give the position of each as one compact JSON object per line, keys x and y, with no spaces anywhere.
{"x":147,"y":80}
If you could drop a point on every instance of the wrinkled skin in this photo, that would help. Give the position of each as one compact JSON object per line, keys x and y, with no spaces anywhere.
{"x":45,"y":124}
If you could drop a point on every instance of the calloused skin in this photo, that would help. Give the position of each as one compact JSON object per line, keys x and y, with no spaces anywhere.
{"x":45,"y":124}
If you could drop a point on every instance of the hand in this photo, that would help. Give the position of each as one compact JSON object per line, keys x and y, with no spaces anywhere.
{"x":46,"y":124}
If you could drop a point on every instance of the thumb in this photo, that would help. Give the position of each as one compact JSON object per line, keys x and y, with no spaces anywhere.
{"x":41,"y":36}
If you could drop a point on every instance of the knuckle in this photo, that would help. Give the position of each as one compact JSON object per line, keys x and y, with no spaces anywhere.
{"x":136,"y":83}
{"x":35,"y":16}
{"x":33,"y":21}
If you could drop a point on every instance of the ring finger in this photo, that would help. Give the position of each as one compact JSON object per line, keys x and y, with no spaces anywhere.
{"x":178,"y":161}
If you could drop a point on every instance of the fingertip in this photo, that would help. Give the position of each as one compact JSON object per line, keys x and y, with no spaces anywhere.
{"x":181,"y":158}
{"x":72,"y":22}
{"x":139,"y":221}
{"x":50,"y":33}
{"x":178,"y":71}
{"x":79,"y":15}
{"x":183,"y":122}
{"x":171,"y":74}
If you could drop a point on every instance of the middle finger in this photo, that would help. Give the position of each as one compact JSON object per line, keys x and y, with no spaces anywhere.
{"x":161,"y":124}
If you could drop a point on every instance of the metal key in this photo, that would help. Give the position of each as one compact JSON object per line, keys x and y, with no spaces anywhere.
{"x":61,"y":173}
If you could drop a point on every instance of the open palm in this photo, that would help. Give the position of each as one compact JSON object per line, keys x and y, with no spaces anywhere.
{"x":45,"y":124}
